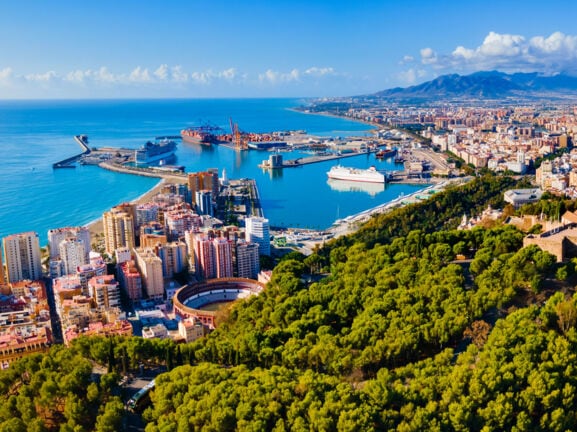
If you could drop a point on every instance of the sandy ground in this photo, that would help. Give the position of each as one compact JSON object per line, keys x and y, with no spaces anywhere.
{"x":96,"y":227}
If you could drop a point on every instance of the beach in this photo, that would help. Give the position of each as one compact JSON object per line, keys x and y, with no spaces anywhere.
{"x":96,"y":227}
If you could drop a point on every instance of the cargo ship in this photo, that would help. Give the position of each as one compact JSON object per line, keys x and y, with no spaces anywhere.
{"x":204,"y":135}
{"x":370,"y":175}
{"x":385,"y":154}
{"x":154,"y":152}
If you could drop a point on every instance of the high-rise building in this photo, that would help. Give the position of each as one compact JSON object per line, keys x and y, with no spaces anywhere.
{"x":85,"y":272}
{"x":55,"y":237}
{"x":151,"y":240}
{"x":130,"y":280}
{"x":118,"y":227}
{"x":122,"y":255}
{"x":204,"y":262}
{"x":223,"y":257}
{"x":22,"y":256}
{"x":73,"y":254}
{"x":247,"y":260}
{"x":2,"y":277}
{"x":207,"y":180}
{"x":146,"y":213}
{"x":204,"y":202}
{"x":104,"y":291}
{"x":173,"y":256}
{"x":179,"y":219}
{"x":257,"y":231}
{"x":150,"y":267}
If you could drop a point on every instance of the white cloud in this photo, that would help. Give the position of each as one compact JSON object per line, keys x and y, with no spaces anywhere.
{"x":139,"y":75}
{"x":275,"y":77}
{"x":428,"y":56}
{"x":407,"y":59}
{"x":5,"y":75}
{"x":510,"y":53}
{"x":158,"y":79}
{"x":42,"y":77}
{"x":178,"y":75}
{"x":319,"y":72}
{"x":162,"y":72}
{"x":102,"y":75}
{"x":411,"y":75}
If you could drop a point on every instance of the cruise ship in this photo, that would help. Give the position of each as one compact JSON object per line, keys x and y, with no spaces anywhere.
{"x":370,"y":175}
{"x":154,"y":152}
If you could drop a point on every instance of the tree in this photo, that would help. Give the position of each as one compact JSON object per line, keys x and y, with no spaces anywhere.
{"x":566,"y":315}
{"x":111,"y":358}
{"x":478,"y":332}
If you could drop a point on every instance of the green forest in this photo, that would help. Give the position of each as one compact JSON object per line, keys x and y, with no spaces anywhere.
{"x":415,"y":326}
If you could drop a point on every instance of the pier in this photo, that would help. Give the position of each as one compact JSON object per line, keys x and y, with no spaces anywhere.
{"x":320,"y":158}
{"x":82,"y":141}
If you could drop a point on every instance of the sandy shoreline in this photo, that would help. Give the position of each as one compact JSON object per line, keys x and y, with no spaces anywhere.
{"x":96,"y":227}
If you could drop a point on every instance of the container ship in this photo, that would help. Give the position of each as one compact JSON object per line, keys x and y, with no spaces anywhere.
{"x":154,"y":152}
{"x":370,"y":175}
{"x":205,"y":135}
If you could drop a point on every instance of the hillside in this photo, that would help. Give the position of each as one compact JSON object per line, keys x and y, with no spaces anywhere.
{"x":400,"y":336}
{"x":485,"y":85}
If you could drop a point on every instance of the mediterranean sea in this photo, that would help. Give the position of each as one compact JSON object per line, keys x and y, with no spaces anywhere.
{"x":35,"y":134}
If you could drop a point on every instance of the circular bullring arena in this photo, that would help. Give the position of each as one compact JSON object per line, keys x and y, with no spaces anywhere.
{"x":190,"y":298}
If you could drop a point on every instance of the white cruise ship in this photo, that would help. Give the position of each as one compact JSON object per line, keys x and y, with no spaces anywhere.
{"x":154,"y":152}
{"x":370,"y":175}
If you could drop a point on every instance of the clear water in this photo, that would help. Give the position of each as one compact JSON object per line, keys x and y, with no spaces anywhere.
{"x":35,"y":134}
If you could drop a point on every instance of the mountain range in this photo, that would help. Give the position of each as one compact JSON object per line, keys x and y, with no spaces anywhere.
{"x":485,"y":86}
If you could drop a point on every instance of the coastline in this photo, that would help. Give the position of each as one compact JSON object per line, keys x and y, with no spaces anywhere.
{"x":96,"y":227}
{"x":373,"y":129}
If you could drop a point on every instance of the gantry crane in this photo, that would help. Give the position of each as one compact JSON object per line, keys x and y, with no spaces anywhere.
{"x":237,"y":137}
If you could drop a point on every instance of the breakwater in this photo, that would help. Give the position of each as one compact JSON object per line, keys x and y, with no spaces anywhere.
{"x":82,"y":141}
{"x":177,"y":177}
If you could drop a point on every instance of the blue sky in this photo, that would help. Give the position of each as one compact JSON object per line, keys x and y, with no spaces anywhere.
{"x":272,"y":48}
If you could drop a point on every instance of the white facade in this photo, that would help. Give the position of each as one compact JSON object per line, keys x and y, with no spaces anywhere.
{"x":56,"y":236}
{"x":257,"y":231}
{"x":123,"y":254}
{"x":22,"y":257}
{"x":73,"y":254}
{"x":150,"y":267}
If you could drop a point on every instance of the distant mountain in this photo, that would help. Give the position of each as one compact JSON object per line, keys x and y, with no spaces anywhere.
{"x":486,"y":85}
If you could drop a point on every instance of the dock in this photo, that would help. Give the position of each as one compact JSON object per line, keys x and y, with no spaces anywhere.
{"x":82,"y":141}
{"x":291,"y":163}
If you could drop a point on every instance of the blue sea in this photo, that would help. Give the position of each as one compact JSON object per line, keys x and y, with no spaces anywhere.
{"x":35,"y":134}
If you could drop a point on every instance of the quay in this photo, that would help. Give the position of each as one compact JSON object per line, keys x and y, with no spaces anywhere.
{"x":319,"y":158}
{"x":82,"y":141}
{"x":174,"y":176}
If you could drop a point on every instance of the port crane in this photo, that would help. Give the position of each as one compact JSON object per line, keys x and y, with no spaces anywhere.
{"x":238,"y":139}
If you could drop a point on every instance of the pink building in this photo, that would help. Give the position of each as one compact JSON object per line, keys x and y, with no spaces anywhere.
{"x":223,"y":257}
{"x":130,"y":280}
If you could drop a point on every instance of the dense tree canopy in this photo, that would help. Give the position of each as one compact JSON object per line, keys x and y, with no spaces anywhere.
{"x":401,"y":335}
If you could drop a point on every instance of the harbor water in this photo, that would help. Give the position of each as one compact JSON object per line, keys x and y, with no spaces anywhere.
{"x":35,"y":134}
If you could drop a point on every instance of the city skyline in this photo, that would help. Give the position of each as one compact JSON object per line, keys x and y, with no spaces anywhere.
{"x":259,"y":49}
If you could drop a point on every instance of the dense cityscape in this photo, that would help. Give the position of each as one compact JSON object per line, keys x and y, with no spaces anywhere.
{"x":154,"y":268}
{"x":288,"y":216}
